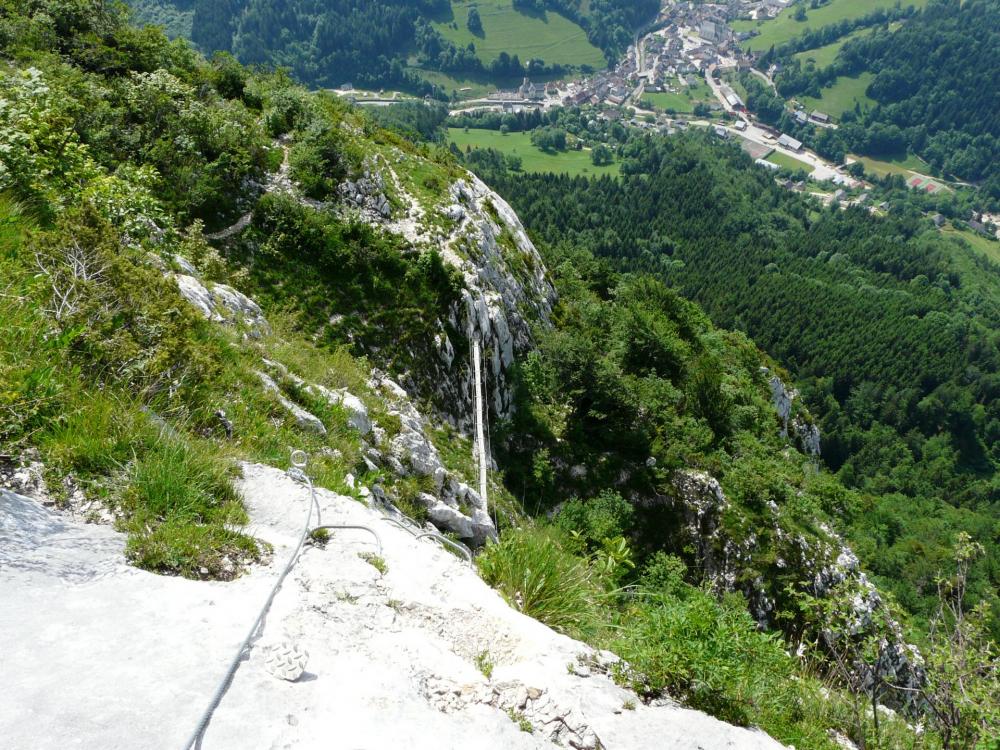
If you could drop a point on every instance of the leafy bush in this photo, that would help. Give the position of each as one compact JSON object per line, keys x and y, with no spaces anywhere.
{"x":537,"y":576}
{"x":683,"y":641}
{"x":317,"y":159}
{"x":606,"y":516}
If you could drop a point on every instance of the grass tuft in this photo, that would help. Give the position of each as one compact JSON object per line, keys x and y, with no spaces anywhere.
{"x":537,"y":576}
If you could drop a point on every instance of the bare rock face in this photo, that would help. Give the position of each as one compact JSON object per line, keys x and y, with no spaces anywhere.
{"x":804,"y":431}
{"x":454,"y":505}
{"x":505,"y":292}
{"x":392,"y":653}
{"x":221,"y":303}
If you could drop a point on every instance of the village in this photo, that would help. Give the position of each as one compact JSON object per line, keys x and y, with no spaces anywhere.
{"x":691,"y":53}
{"x":690,"y":47}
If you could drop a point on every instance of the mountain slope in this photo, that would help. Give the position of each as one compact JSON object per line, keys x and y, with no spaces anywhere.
{"x":209,"y":265}
{"x":378,"y":43}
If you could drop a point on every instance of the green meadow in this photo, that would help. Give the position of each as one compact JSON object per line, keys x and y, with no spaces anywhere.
{"x":788,"y":162}
{"x":842,"y":95}
{"x":533,"y":159}
{"x":548,"y":36}
{"x":682,"y":101}
{"x":783,"y":27}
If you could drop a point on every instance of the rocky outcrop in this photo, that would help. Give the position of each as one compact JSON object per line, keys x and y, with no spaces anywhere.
{"x":506,"y":291}
{"x":389,"y":658}
{"x":824,"y":565}
{"x":221,"y":303}
{"x":453,"y":505}
{"x":803,"y":430}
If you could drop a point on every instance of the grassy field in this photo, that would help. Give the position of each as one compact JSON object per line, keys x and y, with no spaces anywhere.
{"x":901,"y":165}
{"x":825,"y":55}
{"x":784,"y":27}
{"x":788,"y":162}
{"x":465,"y":88}
{"x":548,"y":36}
{"x":682,"y":101}
{"x":983,"y":245}
{"x":533,"y":159}
{"x":842,"y":95}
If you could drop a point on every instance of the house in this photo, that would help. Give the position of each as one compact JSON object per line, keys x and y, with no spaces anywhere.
{"x":531,"y":91}
{"x":976,"y":226}
{"x":839,"y":195}
{"x":720,"y":131}
{"x":938,"y":220}
{"x":740,"y":125}
{"x":711,"y":31}
{"x":820,"y":116}
{"x":788,"y":142}
{"x":801,"y":117}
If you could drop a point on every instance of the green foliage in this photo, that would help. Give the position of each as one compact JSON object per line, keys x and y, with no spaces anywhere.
{"x":375,"y":561}
{"x":711,"y":655}
{"x":913,"y":113}
{"x":536,"y":575}
{"x":884,"y":324}
{"x":317,"y":159}
{"x":520,"y":719}
{"x":606,"y":516}
{"x":485,"y":664}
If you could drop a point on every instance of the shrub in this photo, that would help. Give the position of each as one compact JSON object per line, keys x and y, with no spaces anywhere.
{"x":709,"y":653}
{"x":539,"y":577}
{"x":606,"y":516}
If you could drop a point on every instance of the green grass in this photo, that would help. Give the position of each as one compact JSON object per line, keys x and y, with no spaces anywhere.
{"x":533,"y":159}
{"x":842,"y":95}
{"x":902,"y":165}
{"x":683,"y":101}
{"x":788,"y":162}
{"x":824,"y":56}
{"x":548,"y":36}
{"x":784,"y":27}
{"x":466,"y":87}
{"x":982,"y":245}
{"x":540,"y":578}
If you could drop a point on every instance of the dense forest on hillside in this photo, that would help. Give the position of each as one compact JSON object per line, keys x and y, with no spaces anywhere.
{"x":935,"y":88}
{"x":890,"y":329}
{"x":369,"y":43}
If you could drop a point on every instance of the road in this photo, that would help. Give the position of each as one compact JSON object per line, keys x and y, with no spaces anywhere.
{"x":822,"y":169}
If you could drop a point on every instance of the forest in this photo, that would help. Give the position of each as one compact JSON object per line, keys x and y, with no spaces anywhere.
{"x":895,"y":346}
{"x":936,"y":78}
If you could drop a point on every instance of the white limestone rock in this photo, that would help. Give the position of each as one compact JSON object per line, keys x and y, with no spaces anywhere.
{"x":391,"y":658}
{"x":304,"y":419}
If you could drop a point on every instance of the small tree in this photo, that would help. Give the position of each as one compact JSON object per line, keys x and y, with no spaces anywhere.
{"x":475,"y":23}
{"x":963,"y":662}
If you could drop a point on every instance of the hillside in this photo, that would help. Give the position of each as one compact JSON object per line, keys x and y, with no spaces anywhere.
{"x":413,"y":44}
{"x":888,"y":326}
{"x":948,"y":119}
{"x":207,"y":266}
